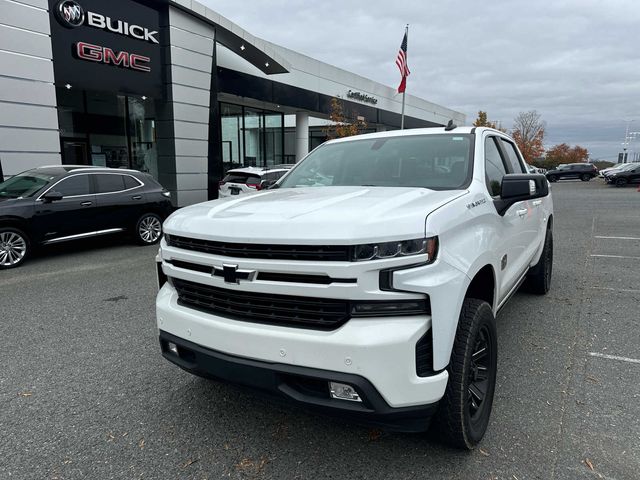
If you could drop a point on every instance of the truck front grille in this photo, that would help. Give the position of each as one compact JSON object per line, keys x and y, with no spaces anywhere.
{"x":328,"y":253}
{"x":306,"y":312}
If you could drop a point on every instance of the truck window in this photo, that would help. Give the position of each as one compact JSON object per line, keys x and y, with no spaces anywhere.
{"x":493,"y":166}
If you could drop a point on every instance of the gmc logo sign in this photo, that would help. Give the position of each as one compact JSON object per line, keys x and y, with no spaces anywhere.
{"x":96,"y":53}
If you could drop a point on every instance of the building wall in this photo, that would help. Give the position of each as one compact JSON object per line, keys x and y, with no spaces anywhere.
{"x":29,"y":134}
{"x":183,"y":138}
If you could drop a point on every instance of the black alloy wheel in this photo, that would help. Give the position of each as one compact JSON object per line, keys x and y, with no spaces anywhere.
{"x":621,"y":182}
{"x":553,"y":178}
{"x":465,"y":408}
{"x":585,"y":177}
{"x":539,"y":277}
{"x":480,"y":367}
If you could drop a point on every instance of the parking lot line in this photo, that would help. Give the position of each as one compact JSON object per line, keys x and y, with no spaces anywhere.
{"x":618,"y":238}
{"x":615,"y":256}
{"x":614,"y":357}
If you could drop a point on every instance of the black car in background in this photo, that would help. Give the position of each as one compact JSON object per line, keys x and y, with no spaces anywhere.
{"x":573,"y":171}
{"x":630,"y":173}
{"x":55,"y":204}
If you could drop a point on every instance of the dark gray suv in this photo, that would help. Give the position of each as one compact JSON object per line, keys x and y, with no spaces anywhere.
{"x":573,"y":171}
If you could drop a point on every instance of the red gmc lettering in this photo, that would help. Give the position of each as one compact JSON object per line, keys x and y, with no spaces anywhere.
{"x":122,"y":58}
{"x":86,"y":51}
{"x":138,"y":60}
{"x":96,"y":53}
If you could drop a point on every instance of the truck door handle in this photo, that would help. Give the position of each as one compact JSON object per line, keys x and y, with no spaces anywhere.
{"x":537,"y":203}
{"x":86,"y":204}
{"x":522,"y":212}
{"x":137,"y":197}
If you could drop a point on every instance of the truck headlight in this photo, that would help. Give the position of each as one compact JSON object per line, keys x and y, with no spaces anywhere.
{"x":403,"y":248}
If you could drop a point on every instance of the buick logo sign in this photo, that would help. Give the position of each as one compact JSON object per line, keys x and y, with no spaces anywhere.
{"x":70,"y":13}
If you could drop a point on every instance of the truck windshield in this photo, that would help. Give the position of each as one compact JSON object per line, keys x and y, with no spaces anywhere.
{"x":438,"y":162}
{"x":24,"y":184}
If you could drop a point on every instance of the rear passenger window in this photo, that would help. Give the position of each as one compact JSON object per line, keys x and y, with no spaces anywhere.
{"x":72,"y":186}
{"x":130,"y":182}
{"x":494,"y":166}
{"x":512,"y":157}
{"x":106,"y":183}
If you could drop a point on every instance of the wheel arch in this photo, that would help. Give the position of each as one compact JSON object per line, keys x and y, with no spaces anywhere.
{"x":483,"y":285}
{"x":15,"y":222}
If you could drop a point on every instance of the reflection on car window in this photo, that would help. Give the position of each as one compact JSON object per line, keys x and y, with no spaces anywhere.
{"x":107,"y":183}
{"x":439,"y":162}
{"x":494,"y":167}
{"x":24,"y":184}
{"x":512,"y":156}
{"x":75,"y":185}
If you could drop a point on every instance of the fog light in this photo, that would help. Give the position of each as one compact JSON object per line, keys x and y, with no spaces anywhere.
{"x":173,"y":348}
{"x":342,"y":391}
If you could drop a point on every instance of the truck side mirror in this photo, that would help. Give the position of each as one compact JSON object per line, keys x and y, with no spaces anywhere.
{"x":517,"y":187}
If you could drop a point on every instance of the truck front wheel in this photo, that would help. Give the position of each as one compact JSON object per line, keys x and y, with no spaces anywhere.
{"x":465,"y":408}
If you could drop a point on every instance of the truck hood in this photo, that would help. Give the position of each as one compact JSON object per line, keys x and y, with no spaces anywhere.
{"x":313,"y":215}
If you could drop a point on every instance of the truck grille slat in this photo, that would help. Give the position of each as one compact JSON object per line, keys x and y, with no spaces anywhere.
{"x":335,"y":253}
{"x":320,"y":313}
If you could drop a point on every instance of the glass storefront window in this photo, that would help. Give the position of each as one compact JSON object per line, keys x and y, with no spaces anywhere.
{"x":107,"y":129}
{"x":251,"y":137}
{"x":232,"y":143}
{"x":253,"y":131}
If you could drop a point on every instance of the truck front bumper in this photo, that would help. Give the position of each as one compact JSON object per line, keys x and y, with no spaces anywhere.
{"x":380,"y":351}
{"x":301,"y":385}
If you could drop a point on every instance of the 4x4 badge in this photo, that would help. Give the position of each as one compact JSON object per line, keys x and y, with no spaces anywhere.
{"x":232,"y":274}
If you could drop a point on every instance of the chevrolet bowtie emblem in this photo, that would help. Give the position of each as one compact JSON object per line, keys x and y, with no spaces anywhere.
{"x":232,"y":274}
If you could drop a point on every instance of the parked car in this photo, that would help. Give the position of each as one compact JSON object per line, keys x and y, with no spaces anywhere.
{"x":628,"y":174}
{"x":366,"y":281}
{"x":59,"y":203}
{"x":605,"y":171}
{"x":573,"y":171}
{"x":534,"y":169}
{"x":250,"y":179}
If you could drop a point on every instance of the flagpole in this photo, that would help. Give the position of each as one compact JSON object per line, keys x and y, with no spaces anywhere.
{"x":404,"y":93}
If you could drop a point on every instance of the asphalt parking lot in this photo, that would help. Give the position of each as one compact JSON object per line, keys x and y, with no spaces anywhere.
{"x":84,"y":392}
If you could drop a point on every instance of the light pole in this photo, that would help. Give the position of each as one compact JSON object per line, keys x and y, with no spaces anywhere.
{"x":632,"y":136}
{"x":625,"y":144}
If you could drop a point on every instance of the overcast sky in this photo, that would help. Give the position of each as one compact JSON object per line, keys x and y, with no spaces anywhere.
{"x":576,"y":62}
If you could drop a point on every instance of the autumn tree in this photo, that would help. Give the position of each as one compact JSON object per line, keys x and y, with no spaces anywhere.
{"x":482,"y":121}
{"x":342,"y":124}
{"x":563,"y":153}
{"x":528,"y":132}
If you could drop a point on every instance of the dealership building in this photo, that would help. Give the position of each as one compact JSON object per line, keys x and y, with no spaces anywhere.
{"x":171,"y":88}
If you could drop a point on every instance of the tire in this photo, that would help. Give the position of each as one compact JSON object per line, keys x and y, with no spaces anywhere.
{"x":553,"y":178}
{"x":621,"y":182}
{"x":463,"y":416}
{"x":585,"y":177}
{"x":15,"y":247}
{"x":539,"y":278}
{"x":148,"y":229}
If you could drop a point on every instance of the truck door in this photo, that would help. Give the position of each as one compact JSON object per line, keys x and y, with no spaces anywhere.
{"x":516,"y":226}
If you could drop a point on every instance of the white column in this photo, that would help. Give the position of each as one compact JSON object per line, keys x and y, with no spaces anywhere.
{"x":302,"y":135}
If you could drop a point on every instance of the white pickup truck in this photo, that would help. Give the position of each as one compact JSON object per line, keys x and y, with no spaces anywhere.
{"x":366,"y":281}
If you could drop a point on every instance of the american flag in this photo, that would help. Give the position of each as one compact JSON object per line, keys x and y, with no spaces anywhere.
{"x":401,"y":62}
